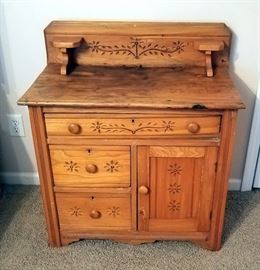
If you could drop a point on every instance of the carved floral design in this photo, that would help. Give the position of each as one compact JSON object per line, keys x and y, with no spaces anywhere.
{"x":174,"y":188}
{"x":98,"y":126}
{"x":174,"y":206}
{"x":175,"y":169}
{"x":71,"y":166}
{"x":75,"y":211}
{"x":113,"y":211}
{"x":149,"y":126}
{"x":112,"y":166}
{"x":137,"y":48}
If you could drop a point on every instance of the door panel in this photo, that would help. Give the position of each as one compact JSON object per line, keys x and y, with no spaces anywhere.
{"x":180,"y":183}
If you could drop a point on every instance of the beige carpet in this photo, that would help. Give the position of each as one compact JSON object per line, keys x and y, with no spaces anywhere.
{"x":23,"y":242}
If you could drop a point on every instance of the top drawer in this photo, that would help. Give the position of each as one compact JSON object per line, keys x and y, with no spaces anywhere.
{"x":114,"y":125}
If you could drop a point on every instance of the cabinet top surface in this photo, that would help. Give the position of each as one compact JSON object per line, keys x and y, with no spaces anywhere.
{"x":137,"y":28}
{"x":115,"y":87}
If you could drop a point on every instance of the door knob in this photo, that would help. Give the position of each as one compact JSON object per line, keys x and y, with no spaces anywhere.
{"x":74,"y":128}
{"x":143,"y":190}
{"x":193,"y":127}
{"x":95,"y":214}
{"x":91,"y":168}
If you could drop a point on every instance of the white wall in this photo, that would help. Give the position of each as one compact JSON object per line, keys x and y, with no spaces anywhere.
{"x":22,"y":56}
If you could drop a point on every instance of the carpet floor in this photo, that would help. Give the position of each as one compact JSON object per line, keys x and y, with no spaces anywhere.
{"x":23,"y":241}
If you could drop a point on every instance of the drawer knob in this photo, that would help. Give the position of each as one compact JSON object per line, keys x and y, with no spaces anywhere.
{"x":74,"y":128}
{"x":95,"y":214}
{"x":193,"y":127}
{"x":91,"y":168}
{"x":143,"y":190}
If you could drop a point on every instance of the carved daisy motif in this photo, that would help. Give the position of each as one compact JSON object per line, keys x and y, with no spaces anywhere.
{"x":174,"y":206}
{"x":75,"y":211}
{"x":136,"y":42}
{"x":71,"y":166}
{"x":179,"y":46}
{"x":112,"y":166}
{"x":168,"y":126}
{"x":113,"y":211}
{"x":97,"y":126}
{"x":95,"y":46}
{"x":175,"y":169}
{"x":174,"y":188}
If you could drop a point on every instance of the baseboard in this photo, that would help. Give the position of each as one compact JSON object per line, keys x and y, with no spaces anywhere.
{"x":12,"y":178}
{"x":15,"y":178}
{"x":234,"y":184}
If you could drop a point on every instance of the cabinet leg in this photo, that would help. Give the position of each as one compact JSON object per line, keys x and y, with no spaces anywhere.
{"x":207,"y":245}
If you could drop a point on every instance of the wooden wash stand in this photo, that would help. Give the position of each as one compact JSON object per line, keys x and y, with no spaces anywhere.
{"x":133,"y":127}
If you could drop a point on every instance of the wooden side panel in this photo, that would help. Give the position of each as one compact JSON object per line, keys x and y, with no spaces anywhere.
{"x":221,"y":186}
{"x":136,"y":126}
{"x":94,"y":211}
{"x":94,"y":166}
{"x":44,"y":169}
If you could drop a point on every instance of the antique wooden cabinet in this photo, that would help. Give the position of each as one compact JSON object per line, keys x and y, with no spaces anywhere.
{"x":133,"y":126}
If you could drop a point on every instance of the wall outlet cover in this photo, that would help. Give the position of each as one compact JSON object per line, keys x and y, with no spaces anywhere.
{"x":15,"y":124}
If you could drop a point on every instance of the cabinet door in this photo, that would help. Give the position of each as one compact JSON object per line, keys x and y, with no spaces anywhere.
{"x":175,"y":187}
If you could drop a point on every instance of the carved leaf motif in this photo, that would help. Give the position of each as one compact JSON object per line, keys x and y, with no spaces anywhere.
{"x":141,"y":127}
{"x":136,"y":48}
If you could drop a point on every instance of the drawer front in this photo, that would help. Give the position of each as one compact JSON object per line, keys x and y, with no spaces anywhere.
{"x":94,"y":166}
{"x":131,"y":126}
{"x":91,"y":211}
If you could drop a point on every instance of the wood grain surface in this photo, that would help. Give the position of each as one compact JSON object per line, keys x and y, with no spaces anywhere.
{"x":91,"y":211}
{"x":134,"y":28}
{"x":136,"y":125}
{"x":161,"y":88}
{"x":180,"y":182}
{"x":95,"y":166}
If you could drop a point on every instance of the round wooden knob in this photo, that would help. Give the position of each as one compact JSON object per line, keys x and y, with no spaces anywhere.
{"x":143,"y":190}
{"x":91,"y":168}
{"x":74,"y":128}
{"x":95,"y":214}
{"x":193,"y":127}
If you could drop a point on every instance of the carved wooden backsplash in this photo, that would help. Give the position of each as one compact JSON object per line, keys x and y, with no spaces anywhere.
{"x":112,"y":48}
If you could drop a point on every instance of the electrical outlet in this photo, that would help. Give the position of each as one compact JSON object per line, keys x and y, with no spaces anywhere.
{"x":15,"y":123}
